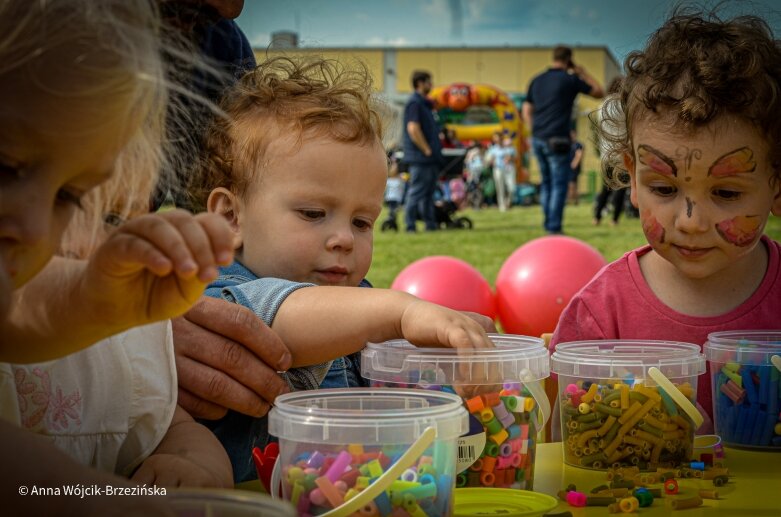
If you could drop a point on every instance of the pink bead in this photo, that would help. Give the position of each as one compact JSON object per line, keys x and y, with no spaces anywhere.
{"x":576,"y":499}
{"x":571,"y":388}
{"x":316,"y":497}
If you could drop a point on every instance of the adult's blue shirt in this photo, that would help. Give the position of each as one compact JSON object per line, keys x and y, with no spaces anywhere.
{"x":552,"y":93}
{"x":419,"y":109}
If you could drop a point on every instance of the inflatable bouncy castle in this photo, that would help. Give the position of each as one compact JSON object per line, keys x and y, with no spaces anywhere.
{"x":477,"y":111}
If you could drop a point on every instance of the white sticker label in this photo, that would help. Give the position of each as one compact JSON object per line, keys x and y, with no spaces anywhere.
{"x":469,"y":449}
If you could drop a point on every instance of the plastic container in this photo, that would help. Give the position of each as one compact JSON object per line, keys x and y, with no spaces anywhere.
{"x":746,"y":387}
{"x":507,"y":503}
{"x":203,"y":502}
{"x":500,"y":389}
{"x":614,"y":414}
{"x":336,"y":445}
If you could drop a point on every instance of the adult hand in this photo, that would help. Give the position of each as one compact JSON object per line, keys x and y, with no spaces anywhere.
{"x":227,"y":358}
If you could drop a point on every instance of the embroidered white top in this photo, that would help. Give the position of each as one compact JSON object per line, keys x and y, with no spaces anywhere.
{"x":107,"y":406}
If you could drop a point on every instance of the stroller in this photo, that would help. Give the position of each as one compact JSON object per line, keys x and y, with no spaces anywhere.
{"x":447,"y":203}
{"x":390,"y":222}
{"x":444,"y":209}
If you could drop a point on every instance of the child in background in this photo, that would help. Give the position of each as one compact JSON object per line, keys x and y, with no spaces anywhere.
{"x":702,"y":147}
{"x":503,"y":158}
{"x":298,"y":171}
{"x":394,"y":191}
{"x":84,"y":95}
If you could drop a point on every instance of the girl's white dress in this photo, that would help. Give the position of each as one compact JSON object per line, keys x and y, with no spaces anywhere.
{"x":107,"y":406}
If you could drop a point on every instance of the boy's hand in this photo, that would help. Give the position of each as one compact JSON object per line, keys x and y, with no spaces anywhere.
{"x":484,"y":321}
{"x":156,"y":266}
{"x":428,"y":324}
{"x":169,"y":470}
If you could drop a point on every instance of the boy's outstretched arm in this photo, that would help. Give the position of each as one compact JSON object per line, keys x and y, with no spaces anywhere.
{"x":151,"y":268}
{"x":320,"y":323}
{"x":188,"y":455}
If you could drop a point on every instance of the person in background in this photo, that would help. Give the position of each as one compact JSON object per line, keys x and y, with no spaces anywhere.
{"x":502,"y":158}
{"x":547,"y":110}
{"x":394,"y":190}
{"x":695,"y":127}
{"x":608,"y":193}
{"x":423,"y":153}
{"x":575,"y":165}
{"x":243,"y":375}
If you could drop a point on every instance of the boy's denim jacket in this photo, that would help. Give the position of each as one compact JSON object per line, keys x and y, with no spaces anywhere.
{"x":237,"y":432}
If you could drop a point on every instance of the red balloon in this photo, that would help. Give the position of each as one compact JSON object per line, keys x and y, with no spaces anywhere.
{"x":539,"y":279}
{"x":447,"y":281}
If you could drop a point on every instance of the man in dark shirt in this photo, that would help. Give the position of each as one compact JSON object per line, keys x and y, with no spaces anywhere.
{"x":548,"y":111}
{"x":423,"y":153}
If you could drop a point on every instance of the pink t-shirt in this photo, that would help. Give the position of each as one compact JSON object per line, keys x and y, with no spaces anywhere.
{"x":619,"y":304}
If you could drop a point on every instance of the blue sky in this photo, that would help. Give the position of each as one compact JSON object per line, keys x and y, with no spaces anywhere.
{"x":621,"y":25}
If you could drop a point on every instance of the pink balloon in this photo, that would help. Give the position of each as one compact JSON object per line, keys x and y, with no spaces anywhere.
{"x":447,"y":281}
{"x":539,"y":279}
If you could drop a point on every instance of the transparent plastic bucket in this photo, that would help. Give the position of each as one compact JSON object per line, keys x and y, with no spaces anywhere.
{"x":500,"y":388}
{"x":746,"y":387}
{"x":336,"y":444}
{"x":195,"y":502}
{"x":614,"y":414}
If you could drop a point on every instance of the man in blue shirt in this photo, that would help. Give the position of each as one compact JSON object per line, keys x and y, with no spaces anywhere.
{"x":423,"y":153}
{"x":547,"y":110}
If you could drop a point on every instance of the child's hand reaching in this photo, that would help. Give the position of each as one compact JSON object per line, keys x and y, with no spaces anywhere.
{"x":155,"y":266}
{"x":427,"y":324}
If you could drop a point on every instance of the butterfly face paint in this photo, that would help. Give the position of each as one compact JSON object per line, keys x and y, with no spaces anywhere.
{"x":739,"y":161}
{"x":742,"y":230}
{"x":656,"y":160}
{"x":653,"y":229}
{"x":704,"y":195}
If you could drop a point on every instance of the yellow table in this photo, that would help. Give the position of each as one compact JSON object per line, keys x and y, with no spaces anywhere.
{"x":754,"y":488}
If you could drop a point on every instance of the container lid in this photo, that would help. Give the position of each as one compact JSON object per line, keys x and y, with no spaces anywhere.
{"x":501,"y":501}
{"x":371,"y":416}
{"x":627,"y":358}
{"x":401,"y":362}
{"x":743,"y":346}
{"x":216,"y":502}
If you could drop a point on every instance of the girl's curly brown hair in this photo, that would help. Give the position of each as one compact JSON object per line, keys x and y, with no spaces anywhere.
{"x":695,"y":69}
{"x":305,"y":96}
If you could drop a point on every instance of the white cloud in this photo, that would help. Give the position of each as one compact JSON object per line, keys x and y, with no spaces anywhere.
{"x":260,"y":39}
{"x":377,"y":41}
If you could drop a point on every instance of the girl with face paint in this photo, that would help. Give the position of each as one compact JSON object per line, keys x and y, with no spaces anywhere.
{"x":699,"y":135}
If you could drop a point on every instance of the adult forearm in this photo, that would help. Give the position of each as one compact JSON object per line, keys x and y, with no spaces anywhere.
{"x":596,"y":88}
{"x":418,"y":138}
{"x":528,"y":114}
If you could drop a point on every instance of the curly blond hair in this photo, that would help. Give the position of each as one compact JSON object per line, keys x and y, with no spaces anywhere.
{"x":307,"y":96}
{"x":695,"y":69}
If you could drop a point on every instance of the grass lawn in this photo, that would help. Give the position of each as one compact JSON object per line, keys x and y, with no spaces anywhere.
{"x":496,"y":235}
